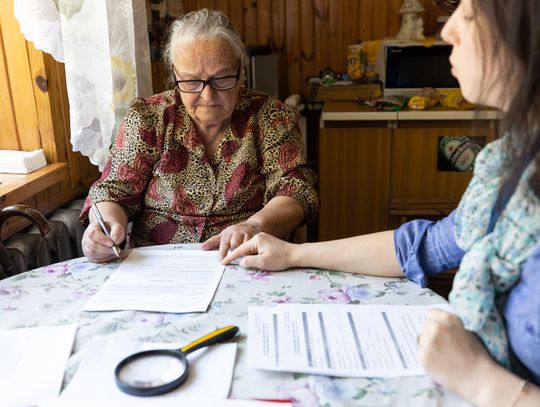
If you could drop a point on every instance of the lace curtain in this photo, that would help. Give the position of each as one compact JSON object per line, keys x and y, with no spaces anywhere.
{"x":104,"y":45}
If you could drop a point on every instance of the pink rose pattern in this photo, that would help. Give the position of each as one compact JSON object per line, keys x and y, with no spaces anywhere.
{"x":163,"y":232}
{"x":334,"y":295}
{"x":152,"y":191}
{"x":241,"y":117}
{"x":259,"y":275}
{"x":182,"y":202}
{"x":238,"y":180}
{"x":174,"y":161}
{"x":9,"y":292}
{"x":120,"y":137}
{"x":148,"y":136}
{"x":255,"y":202}
{"x":57,"y":269}
{"x":107,"y":169}
{"x":191,"y":139}
{"x":228,"y":148}
{"x":169,"y":115}
{"x":156,"y":99}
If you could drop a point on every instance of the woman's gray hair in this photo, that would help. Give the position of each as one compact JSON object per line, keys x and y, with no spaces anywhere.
{"x":203,"y":24}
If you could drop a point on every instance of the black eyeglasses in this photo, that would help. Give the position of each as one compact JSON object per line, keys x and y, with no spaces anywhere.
{"x":218,"y":83}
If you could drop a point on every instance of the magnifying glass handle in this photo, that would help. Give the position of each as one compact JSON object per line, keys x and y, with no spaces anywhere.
{"x":221,"y":335}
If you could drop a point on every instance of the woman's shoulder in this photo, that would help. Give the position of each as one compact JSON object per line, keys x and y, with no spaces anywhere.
{"x":153,"y":110}
{"x":256,"y":102}
{"x":155,"y":103}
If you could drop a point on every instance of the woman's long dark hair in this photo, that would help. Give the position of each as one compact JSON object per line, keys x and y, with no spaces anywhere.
{"x":513,"y":27}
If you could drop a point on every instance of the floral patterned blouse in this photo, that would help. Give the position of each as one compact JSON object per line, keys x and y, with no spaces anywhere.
{"x":158,"y":170}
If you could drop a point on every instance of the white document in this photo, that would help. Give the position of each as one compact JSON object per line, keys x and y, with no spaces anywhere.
{"x":151,"y":402}
{"x":94,"y":379}
{"x":161,"y":280}
{"x":337,"y":340}
{"x":32,"y":363}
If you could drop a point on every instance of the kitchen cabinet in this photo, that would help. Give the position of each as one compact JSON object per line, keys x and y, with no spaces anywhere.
{"x":378,"y":170}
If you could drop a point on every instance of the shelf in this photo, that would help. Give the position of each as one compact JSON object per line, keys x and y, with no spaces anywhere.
{"x":350,"y":111}
{"x":440,"y":114}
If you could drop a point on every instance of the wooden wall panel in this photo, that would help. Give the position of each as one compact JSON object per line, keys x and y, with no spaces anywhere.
{"x":264,"y":22}
{"x":19,"y":79}
{"x":310,"y":35}
{"x":334,"y":34}
{"x":250,"y":22}
{"x":49,"y":140}
{"x":293,"y":47}
{"x":9,"y":139}
{"x":321,"y":46}
{"x":59,"y":106}
{"x":307,"y":35}
{"x":364,"y":24}
{"x":236,"y":14}
{"x":279,"y":41}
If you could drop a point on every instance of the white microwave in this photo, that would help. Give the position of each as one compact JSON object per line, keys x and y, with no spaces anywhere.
{"x":405,"y":67}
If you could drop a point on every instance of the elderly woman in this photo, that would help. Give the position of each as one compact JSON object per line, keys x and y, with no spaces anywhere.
{"x":209,"y":161}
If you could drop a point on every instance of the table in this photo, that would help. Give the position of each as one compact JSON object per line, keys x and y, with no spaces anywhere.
{"x":55,"y":294}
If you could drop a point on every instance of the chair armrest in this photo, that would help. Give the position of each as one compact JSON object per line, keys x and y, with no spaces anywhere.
{"x":25,"y":211}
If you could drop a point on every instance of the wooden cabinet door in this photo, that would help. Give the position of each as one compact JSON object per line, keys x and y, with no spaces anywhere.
{"x":420,"y":185}
{"x":354,"y":171}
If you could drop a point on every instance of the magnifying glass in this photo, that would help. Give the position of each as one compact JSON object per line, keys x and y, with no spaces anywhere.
{"x":159,"y":371}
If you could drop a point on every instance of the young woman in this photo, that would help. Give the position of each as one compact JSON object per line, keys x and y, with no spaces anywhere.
{"x":489,"y":350}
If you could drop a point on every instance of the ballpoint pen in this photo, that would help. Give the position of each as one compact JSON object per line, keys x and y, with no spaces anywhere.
{"x":101,"y":222}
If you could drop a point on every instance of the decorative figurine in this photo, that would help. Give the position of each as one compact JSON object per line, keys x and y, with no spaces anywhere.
{"x":412,"y":26}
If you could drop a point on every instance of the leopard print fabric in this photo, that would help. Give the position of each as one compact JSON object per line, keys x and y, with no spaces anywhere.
{"x":159,"y":173}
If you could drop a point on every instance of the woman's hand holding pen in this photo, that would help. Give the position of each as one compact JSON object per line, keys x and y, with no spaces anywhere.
{"x":97,"y":247}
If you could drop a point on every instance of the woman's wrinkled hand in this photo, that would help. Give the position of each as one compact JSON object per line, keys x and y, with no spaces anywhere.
{"x":232,"y":237}
{"x":97,"y":247}
{"x":263,"y":251}
{"x":453,"y":356}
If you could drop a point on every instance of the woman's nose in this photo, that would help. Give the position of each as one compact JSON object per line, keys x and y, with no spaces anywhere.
{"x":208,"y":91}
{"x":449,"y":32}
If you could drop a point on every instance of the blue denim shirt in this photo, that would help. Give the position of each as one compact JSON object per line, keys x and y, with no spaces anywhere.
{"x":424,"y":248}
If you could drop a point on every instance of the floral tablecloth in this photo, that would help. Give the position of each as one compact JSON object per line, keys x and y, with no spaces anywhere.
{"x":54,"y":295}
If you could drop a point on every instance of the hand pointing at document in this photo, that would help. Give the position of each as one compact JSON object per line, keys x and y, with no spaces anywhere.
{"x":263,"y":251}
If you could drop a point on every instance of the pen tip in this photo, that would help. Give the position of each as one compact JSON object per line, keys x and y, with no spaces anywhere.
{"x":116,"y":251}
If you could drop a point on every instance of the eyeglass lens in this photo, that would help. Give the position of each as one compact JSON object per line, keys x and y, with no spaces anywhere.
{"x":152,"y":370}
{"x":216,"y":83}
